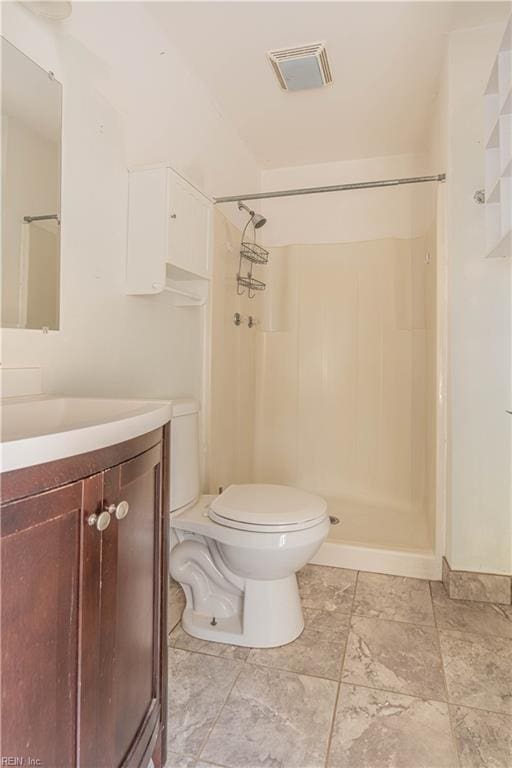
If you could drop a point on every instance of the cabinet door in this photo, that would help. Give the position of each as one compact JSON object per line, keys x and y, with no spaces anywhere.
{"x":189,"y":227}
{"x":147,"y":231}
{"x":130,"y":612}
{"x":39,"y":551}
{"x":91,"y":735}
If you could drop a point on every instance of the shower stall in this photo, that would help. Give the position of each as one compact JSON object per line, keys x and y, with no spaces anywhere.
{"x":345,"y":389}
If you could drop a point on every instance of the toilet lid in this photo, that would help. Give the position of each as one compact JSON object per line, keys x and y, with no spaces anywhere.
{"x":268,"y":506}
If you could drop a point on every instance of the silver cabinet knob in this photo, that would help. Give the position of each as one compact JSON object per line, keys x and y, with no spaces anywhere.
{"x":101,"y":521}
{"x":122,"y":509}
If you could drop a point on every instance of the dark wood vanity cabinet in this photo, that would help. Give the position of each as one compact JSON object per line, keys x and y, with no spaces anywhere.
{"x":83,"y":610}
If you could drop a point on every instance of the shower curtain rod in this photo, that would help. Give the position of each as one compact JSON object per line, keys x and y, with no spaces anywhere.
{"x":47,"y":217}
{"x":334,"y":188}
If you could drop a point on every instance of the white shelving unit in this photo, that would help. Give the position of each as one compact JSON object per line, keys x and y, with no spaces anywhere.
{"x":498,"y":152}
{"x":169,"y":237}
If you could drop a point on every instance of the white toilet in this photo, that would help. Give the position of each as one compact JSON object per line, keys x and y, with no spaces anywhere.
{"x":236,"y":554}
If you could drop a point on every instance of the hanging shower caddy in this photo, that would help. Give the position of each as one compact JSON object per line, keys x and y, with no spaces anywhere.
{"x":250,"y":254}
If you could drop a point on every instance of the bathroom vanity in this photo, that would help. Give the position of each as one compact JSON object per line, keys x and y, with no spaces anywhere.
{"x":84,"y":543}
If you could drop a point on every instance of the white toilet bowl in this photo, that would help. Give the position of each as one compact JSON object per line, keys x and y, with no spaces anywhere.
{"x":236,"y":554}
{"x":236,"y":558}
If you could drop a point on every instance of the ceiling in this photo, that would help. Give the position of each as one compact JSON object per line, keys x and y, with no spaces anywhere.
{"x":385,"y":57}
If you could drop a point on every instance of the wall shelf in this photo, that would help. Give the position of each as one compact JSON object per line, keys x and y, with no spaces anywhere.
{"x":173,"y":272}
{"x":185,"y":298}
{"x":188,"y":288}
{"x":506,"y":107}
{"x":502,"y":248}
{"x":493,"y":138}
{"x":498,"y":152}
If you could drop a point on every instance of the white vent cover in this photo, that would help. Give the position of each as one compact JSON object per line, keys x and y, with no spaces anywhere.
{"x":300,"y":68}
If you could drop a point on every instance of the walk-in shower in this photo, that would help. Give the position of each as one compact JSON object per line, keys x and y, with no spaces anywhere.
{"x":345,"y":383}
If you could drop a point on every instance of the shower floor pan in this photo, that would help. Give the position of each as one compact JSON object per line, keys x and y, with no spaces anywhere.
{"x":380,"y":539}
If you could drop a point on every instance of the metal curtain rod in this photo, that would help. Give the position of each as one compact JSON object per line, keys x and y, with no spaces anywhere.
{"x":334,"y":188}
{"x":49,"y":216}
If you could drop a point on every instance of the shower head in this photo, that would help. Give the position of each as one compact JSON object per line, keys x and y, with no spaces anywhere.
{"x":257,"y":219}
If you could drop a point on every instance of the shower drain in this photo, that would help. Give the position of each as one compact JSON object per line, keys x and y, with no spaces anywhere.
{"x":334,"y":520}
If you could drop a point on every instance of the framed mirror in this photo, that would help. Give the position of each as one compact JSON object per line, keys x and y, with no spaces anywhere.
{"x":31,"y":173}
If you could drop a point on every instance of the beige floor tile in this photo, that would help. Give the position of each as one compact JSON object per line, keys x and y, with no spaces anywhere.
{"x":327,"y":588}
{"x":484,"y":739}
{"x":394,"y":597}
{"x":180,"y":639}
{"x":180,"y":761}
{"x":279,"y":711}
{"x":478,"y":670}
{"x":325,"y":619}
{"x":273,"y":718}
{"x":317,"y":651}
{"x":469,"y":616}
{"x":394,"y":656}
{"x":486,"y":587}
{"x":200,"y":764}
{"x":198,"y":687}
{"x":376,"y":729}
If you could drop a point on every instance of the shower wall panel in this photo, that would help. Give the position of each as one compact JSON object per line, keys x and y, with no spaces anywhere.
{"x":344,"y":391}
{"x":232,"y":394}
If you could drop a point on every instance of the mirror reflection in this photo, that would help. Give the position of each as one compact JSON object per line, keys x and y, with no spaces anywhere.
{"x":31,"y":154}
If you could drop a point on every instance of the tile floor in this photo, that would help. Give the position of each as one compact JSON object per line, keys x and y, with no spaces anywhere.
{"x":388,"y":673}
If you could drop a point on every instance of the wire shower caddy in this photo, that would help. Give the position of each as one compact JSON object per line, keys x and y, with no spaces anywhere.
{"x":250,"y":254}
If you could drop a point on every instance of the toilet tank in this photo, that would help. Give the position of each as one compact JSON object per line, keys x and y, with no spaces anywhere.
{"x":184,"y":453}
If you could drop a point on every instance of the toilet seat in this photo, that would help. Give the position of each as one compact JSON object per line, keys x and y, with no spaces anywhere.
{"x":267,"y":508}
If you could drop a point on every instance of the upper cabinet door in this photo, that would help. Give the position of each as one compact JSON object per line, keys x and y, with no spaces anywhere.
{"x":39,"y":553}
{"x":147,"y":231}
{"x":189,"y":227}
{"x":169,"y":232}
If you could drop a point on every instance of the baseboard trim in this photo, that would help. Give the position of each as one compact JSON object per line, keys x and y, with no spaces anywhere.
{"x":476,"y":586}
{"x":417,"y":565}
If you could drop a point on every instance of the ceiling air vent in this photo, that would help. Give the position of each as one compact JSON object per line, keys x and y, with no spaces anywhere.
{"x":298,"y":69}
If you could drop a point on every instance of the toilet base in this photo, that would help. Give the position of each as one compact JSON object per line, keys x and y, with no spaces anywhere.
{"x":271,"y":616}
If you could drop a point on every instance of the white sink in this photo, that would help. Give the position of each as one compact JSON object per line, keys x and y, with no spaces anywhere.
{"x":43,"y":428}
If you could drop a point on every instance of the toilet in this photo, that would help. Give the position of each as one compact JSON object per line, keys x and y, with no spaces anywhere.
{"x":236,"y":554}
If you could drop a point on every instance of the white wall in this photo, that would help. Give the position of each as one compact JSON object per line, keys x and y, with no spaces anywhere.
{"x":403,"y":212}
{"x":42,"y":302}
{"x":479,"y":504}
{"x":122,"y":104}
{"x":29,"y":188}
{"x":351,"y":216}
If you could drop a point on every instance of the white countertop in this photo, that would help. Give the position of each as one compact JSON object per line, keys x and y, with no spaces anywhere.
{"x":44,"y":428}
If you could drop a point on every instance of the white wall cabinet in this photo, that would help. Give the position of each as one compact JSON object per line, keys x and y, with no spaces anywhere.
{"x":169,"y":236}
{"x":498,"y":152}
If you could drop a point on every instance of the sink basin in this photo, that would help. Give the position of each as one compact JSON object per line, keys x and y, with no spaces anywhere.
{"x":43,"y":428}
